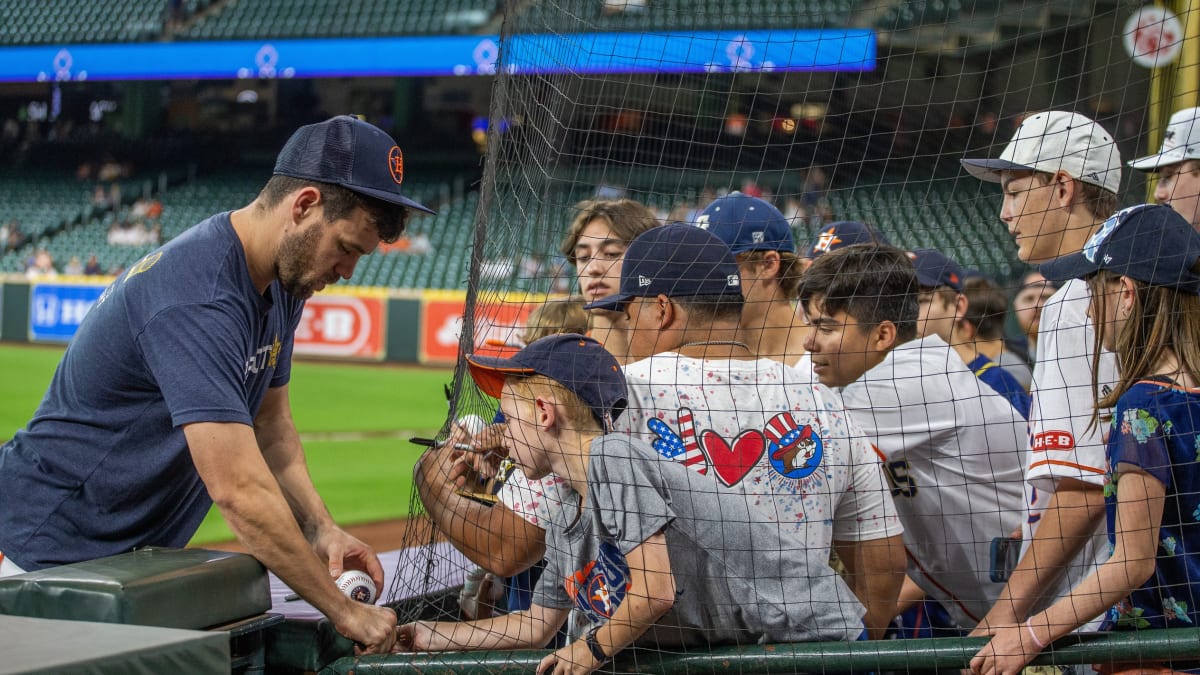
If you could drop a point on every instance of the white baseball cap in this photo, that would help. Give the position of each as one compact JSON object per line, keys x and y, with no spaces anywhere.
{"x":1181,"y":142}
{"x":1056,"y":140}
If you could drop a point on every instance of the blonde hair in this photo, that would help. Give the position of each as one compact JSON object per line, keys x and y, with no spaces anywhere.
{"x":1163,"y":321}
{"x":579,"y":416}
{"x":556,"y":316}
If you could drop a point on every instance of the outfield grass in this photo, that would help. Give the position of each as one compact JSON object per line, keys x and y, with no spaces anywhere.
{"x":362,"y":478}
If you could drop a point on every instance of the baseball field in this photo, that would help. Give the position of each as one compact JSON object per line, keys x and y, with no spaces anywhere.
{"x":355,"y":421}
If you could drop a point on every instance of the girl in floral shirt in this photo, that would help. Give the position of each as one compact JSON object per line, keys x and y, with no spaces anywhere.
{"x":1143,"y":269}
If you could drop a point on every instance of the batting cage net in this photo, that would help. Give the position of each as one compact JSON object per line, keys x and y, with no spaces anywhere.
{"x":755,"y":284}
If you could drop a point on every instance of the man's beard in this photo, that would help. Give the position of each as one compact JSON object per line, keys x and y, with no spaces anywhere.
{"x":294,"y":261}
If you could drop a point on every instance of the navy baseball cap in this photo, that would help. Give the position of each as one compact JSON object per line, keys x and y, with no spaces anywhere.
{"x":346,"y":151}
{"x":676,"y":260}
{"x":1148,"y":242}
{"x":935,"y":269}
{"x":747,"y":223}
{"x":578,"y":363}
{"x":843,"y":233}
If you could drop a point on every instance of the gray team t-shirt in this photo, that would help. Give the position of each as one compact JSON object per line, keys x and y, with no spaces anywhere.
{"x":739,"y":577}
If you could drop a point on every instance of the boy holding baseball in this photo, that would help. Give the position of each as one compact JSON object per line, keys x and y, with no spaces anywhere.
{"x":655,"y":556}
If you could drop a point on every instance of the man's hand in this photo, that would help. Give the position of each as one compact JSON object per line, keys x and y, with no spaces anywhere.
{"x":343,"y":551}
{"x":372,"y":628}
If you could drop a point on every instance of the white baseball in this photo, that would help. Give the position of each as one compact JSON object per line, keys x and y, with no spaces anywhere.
{"x":357,"y":586}
{"x":472,"y":424}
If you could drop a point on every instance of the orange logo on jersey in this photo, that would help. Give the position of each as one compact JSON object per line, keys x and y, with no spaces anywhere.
{"x":1053,"y":440}
{"x":396,"y":164}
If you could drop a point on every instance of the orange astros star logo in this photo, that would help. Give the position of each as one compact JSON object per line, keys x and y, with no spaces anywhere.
{"x":396,"y":164}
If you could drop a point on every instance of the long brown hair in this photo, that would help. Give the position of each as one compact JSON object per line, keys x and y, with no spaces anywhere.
{"x":1163,"y":321}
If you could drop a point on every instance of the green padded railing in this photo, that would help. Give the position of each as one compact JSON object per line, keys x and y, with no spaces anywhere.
{"x":1176,"y":644}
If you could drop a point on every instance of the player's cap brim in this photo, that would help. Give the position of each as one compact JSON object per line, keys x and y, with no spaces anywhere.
{"x":1157,"y":161}
{"x":390,"y":197}
{"x":489,"y":372}
{"x":611,"y":303}
{"x":989,"y":169}
{"x":1067,"y":267}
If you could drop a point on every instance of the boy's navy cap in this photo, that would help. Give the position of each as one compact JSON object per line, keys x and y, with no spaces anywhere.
{"x":747,"y":223}
{"x":843,"y":233}
{"x":935,"y":269}
{"x":676,"y":260}
{"x":346,"y":151}
{"x":1149,"y":242}
{"x":578,"y":363}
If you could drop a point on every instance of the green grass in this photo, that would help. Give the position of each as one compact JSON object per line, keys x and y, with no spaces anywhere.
{"x":361,"y":478}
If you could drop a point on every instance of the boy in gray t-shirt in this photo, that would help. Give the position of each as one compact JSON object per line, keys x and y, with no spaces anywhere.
{"x":656,"y":556}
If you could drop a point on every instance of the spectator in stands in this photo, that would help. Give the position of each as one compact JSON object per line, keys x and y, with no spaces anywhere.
{"x":1027,"y":307}
{"x":100,"y":198}
{"x":16,"y":237}
{"x":173,"y":395}
{"x":952,"y":447}
{"x":1178,"y":166}
{"x":73,"y":268}
{"x":1059,"y":176}
{"x":702,"y":397}
{"x":92,"y":266}
{"x":656,"y":556}
{"x":943,"y":305}
{"x":41,"y":266}
{"x":761,"y":241}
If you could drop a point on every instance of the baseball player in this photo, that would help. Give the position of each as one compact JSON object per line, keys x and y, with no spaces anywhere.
{"x":173,"y":394}
{"x":953,"y":448}
{"x":702,"y":398}
{"x":1059,"y":174}
{"x":1178,"y":166}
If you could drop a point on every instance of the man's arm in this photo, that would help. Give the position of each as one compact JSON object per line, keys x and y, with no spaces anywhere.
{"x":279,"y":441}
{"x":242,"y":485}
{"x":1067,"y":524}
{"x":493,"y":537}
{"x":651,"y":594}
{"x":875,"y":572}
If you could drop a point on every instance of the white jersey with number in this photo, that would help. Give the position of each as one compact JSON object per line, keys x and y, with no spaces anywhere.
{"x":955,"y":454}
{"x":763,"y":429}
{"x":1063,"y":441}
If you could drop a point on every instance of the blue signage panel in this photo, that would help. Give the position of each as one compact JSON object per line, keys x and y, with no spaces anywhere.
{"x":56,"y":310}
{"x":700,"y":51}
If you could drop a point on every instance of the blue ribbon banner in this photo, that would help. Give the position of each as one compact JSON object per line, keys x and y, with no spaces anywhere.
{"x":667,"y":52}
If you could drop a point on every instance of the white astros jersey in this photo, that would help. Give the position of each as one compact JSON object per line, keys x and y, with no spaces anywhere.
{"x":763,"y":429}
{"x":954,"y":451}
{"x":1063,"y":441}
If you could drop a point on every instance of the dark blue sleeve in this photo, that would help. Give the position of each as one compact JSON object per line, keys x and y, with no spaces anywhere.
{"x":1139,"y":434}
{"x":196,"y":354}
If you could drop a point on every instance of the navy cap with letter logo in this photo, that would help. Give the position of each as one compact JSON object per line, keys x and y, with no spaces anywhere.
{"x":747,"y":223}
{"x":578,"y":363}
{"x":676,"y":260}
{"x":1148,"y":242}
{"x":934,"y":269}
{"x":842,"y":233}
{"x":346,"y":151}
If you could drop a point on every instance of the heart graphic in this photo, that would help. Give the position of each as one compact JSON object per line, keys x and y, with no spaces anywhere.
{"x":731,"y":464}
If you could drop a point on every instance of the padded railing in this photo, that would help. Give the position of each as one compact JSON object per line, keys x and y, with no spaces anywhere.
{"x":1177,"y":645}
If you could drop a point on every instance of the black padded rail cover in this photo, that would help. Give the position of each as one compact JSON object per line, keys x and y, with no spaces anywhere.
{"x":172,"y":588}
